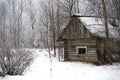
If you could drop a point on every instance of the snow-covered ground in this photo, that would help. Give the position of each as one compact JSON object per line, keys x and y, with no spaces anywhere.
{"x":41,"y":70}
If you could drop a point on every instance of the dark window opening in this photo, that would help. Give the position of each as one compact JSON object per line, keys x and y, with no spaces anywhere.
{"x":81,"y":50}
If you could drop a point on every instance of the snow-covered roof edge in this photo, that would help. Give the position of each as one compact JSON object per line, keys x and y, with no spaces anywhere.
{"x":96,"y":25}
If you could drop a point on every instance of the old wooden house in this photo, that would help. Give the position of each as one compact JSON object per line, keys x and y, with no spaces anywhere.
{"x":83,"y":38}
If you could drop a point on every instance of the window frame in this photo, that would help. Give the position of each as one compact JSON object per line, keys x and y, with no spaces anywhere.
{"x":77,"y":49}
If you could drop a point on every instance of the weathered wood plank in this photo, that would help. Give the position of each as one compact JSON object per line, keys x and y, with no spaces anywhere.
{"x":87,"y":58}
{"x":75,"y":30}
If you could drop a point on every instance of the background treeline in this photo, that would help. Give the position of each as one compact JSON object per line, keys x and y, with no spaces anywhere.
{"x":28,"y":23}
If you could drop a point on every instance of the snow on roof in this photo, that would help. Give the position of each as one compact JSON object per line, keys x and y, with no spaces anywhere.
{"x":96,"y":25}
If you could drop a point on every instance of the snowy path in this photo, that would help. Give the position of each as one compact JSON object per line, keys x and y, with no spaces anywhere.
{"x":40,"y":70}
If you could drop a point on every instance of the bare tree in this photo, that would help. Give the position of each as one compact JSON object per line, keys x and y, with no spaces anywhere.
{"x":106,"y":8}
{"x":49,"y":23}
{"x":69,"y":7}
{"x":56,"y":18}
{"x":107,"y":54}
{"x":13,"y":59}
{"x":32,"y":19}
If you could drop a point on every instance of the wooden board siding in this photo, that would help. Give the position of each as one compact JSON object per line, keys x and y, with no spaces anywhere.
{"x":91,"y":50}
{"x":65,"y":50}
{"x":76,"y":30}
{"x":86,"y":57}
{"x":76,"y":34}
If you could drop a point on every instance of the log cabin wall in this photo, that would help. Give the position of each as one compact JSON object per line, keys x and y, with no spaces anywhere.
{"x":90,"y":55}
{"x":77,"y":35}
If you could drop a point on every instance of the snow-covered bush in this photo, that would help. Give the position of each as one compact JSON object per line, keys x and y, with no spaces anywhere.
{"x":14,"y":61}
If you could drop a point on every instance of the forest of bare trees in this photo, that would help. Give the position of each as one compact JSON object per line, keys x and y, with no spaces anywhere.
{"x":37,"y":24}
{"x":23,"y":24}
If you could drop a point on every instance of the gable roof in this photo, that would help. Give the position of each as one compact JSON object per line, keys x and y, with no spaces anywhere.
{"x":95,"y":26}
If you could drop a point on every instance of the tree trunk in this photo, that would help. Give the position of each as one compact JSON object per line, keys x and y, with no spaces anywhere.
{"x":107,"y":54}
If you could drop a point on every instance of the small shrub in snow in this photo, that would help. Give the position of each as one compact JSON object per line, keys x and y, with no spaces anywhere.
{"x":15,"y":62}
